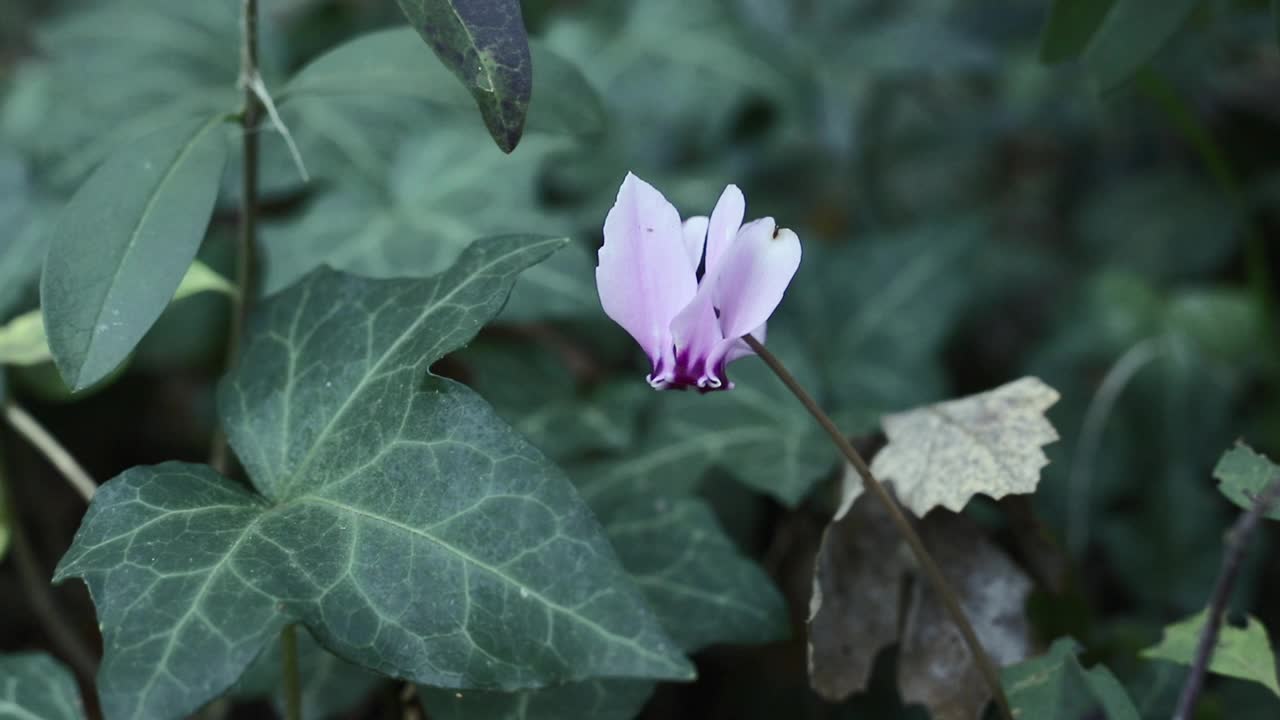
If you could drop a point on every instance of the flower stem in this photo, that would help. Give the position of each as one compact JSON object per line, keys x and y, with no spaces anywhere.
{"x":1237,"y":543}
{"x":29,"y":428}
{"x":250,"y":116}
{"x":292,"y":683}
{"x":931,"y":570}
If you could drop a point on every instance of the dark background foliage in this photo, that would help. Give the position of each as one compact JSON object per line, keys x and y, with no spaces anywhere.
{"x":969,"y":214}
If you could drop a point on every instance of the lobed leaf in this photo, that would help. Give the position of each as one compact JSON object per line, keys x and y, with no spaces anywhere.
{"x":1243,"y":653}
{"x":123,"y":244}
{"x":484,"y":43}
{"x":1055,"y":687}
{"x":35,"y":686}
{"x":990,"y":444}
{"x":1243,"y":474}
{"x":375,"y":478}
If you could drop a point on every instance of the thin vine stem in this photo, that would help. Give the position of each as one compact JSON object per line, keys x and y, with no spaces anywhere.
{"x":931,"y":570}
{"x":1236,"y":544}
{"x":292,"y":681}
{"x":246,"y":245}
{"x":31,"y":429}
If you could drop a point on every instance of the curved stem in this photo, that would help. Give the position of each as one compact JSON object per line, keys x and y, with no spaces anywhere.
{"x":1079,"y":478}
{"x":292,"y":683}
{"x":1237,"y":543}
{"x":250,"y":116}
{"x":29,"y":428}
{"x":931,"y":570}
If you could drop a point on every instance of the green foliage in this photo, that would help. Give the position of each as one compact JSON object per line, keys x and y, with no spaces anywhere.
{"x":485,"y":45}
{"x":1243,"y":653}
{"x":356,"y":458}
{"x":123,"y":244}
{"x":331,"y":686}
{"x":1054,"y":686}
{"x":1070,"y":25}
{"x":34,"y":685}
{"x":1132,"y":33}
{"x":600,"y":699}
{"x":1243,"y":474}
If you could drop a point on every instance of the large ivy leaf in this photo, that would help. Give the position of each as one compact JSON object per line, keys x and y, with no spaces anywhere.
{"x":1070,"y":26}
{"x":441,"y":197}
{"x":395,"y":63}
{"x":757,"y":432}
{"x":34,"y":686}
{"x":596,"y":699}
{"x":1243,"y":474}
{"x":123,"y":245}
{"x":405,"y":525}
{"x":484,"y":43}
{"x":21,"y":239}
{"x":1132,"y":33}
{"x":1055,"y":687}
{"x":1243,"y":653}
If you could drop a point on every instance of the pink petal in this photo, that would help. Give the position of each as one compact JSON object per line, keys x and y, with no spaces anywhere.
{"x":695,"y":237}
{"x":643,"y":275}
{"x":753,"y":276}
{"x":740,"y":349}
{"x":724,"y":224}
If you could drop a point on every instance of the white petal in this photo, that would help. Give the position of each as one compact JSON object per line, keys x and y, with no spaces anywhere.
{"x":754,"y":274}
{"x":695,"y":237}
{"x":724,"y":224}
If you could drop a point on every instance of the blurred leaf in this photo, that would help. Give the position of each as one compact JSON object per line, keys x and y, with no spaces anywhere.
{"x":1055,"y":687}
{"x":1224,"y":322}
{"x":1158,"y":224}
{"x":1243,"y":653}
{"x":123,"y":245}
{"x":697,"y":581}
{"x":1132,"y":33}
{"x":395,"y":63}
{"x":857,"y":595}
{"x":34,"y":686}
{"x":533,"y":388}
{"x":331,"y":439}
{"x":596,"y":699}
{"x":990,"y":444}
{"x":441,"y":197}
{"x":1070,"y":26}
{"x":873,"y":316}
{"x":331,"y":686}
{"x":757,"y":432}
{"x":1243,"y":474}
{"x":71,"y":110}
{"x":484,"y":43}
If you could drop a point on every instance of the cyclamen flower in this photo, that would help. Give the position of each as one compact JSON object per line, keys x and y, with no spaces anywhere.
{"x":691,"y":327}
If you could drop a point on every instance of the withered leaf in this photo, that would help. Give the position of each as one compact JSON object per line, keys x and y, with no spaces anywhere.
{"x":942,"y":455}
{"x":859,"y":607}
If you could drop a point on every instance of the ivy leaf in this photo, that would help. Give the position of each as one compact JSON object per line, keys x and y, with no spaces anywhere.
{"x":35,"y":686}
{"x":1069,"y":27}
{"x":484,"y":43}
{"x":1055,"y":687}
{"x":942,"y":455}
{"x":1243,"y":474}
{"x":1243,"y":653}
{"x":595,"y":699}
{"x":123,"y":244}
{"x":1132,"y":33}
{"x":394,"y":63}
{"x":23,"y":341}
{"x":376,"y":480}
{"x":431,"y":210}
